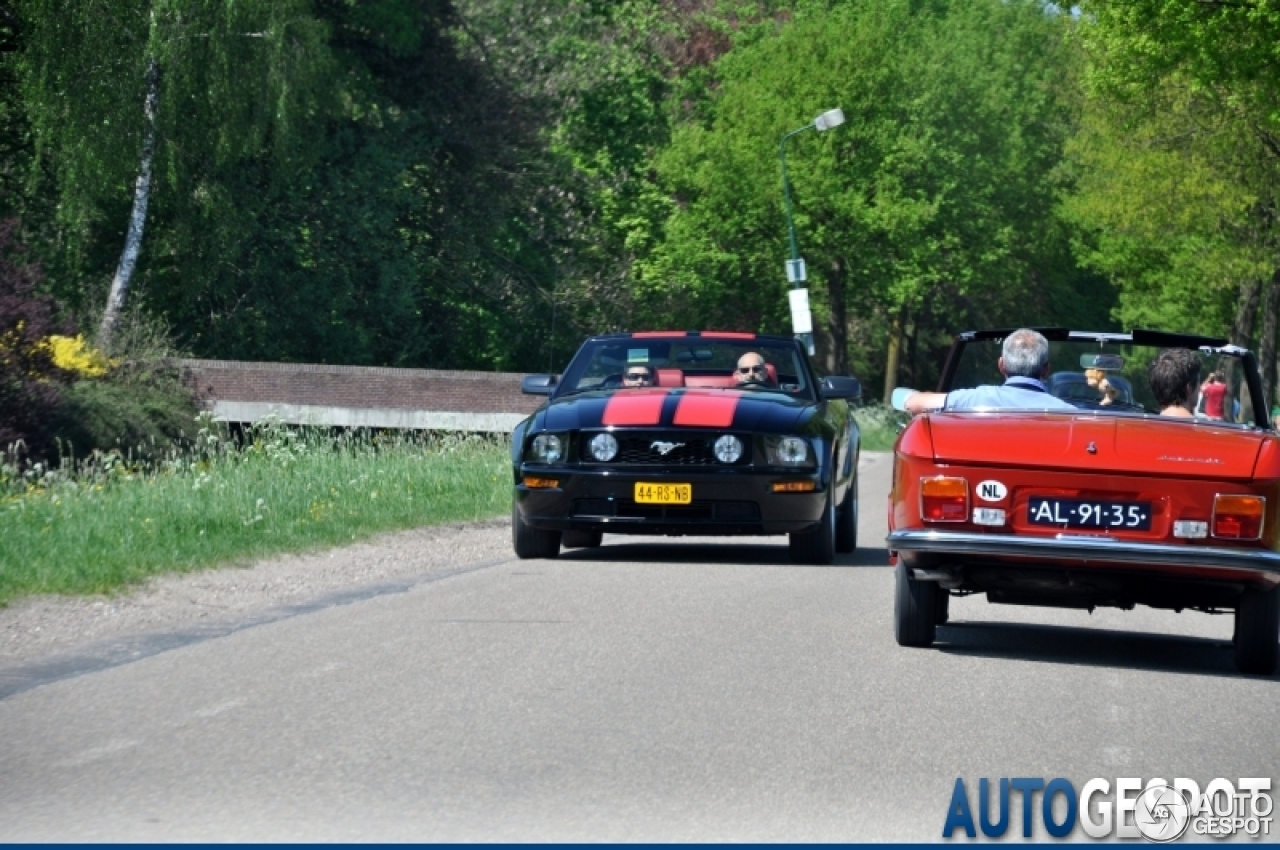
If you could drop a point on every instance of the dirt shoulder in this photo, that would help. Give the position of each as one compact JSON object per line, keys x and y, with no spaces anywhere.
{"x":38,"y":627}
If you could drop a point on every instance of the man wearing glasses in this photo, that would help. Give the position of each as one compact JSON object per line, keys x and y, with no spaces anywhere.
{"x":637,"y":376}
{"x":751,"y":370}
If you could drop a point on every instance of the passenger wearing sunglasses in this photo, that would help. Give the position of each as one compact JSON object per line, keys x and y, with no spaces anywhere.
{"x":751,"y":370}
{"x":637,"y":376}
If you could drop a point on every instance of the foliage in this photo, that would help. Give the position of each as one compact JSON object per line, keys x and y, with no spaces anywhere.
{"x":109,"y":520}
{"x":29,"y":377}
{"x":141,"y":408}
{"x":939,"y":191}
{"x":73,"y":354}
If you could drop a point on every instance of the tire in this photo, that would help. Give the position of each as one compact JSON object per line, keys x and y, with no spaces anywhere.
{"x":847,"y":521}
{"x":530,"y":542}
{"x":942,"y":609}
{"x":818,"y":544}
{"x":1257,"y":631}
{"x":915,"y":608}
{"x":581,"y":539}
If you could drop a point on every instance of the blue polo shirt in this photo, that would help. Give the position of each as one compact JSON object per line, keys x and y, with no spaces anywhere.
{"x":1016,"y":393}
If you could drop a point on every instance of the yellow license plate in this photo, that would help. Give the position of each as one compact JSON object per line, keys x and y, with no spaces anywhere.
{"x":664,"y":494}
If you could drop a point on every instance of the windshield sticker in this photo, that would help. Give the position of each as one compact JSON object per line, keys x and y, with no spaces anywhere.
{"x":637,"y":355}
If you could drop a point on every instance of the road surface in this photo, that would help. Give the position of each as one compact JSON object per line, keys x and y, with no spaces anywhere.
{"x":651,"y":690}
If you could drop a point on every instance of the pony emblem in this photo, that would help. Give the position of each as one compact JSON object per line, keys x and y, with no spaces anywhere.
{"x":664,"y":448}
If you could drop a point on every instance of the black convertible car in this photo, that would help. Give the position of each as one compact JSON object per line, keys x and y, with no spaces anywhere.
{"x":693,"y":451}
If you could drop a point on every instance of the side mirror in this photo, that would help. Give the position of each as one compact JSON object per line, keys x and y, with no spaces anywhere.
{"x":539,"y":384}
{"x":841,"y":386}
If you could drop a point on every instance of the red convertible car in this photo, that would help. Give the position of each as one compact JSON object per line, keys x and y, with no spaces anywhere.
{"x":1104,"y":503}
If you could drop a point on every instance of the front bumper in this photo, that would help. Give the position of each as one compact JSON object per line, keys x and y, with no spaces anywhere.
{"x":725,"y":502}
{"x":1259,"y":565}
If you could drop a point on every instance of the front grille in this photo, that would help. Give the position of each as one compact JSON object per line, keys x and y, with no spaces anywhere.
{"x":713,"y":510}
{"x":644,"y":449}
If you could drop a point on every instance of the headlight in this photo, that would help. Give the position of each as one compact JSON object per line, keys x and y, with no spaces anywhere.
{"x":787,"y":451}
{"x":546,"y":448}
{"x":604,"y":447}
{"x":728,"y":449}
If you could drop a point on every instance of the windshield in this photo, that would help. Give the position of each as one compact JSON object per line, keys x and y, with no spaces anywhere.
{"x":687,"y":362}
{"x":1113,"y":376}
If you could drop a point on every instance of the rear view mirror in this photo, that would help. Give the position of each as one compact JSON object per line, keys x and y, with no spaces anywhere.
{"x":841,"y":386}
{"x":1107,"y":362}
{"x":538,"y":384}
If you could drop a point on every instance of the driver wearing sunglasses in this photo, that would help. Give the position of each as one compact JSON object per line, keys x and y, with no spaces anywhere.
{"x":637,"y":376}
{"x":751,"y":370}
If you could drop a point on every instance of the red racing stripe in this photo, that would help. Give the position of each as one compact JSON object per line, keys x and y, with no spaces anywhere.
{"x":727,"y":335}
{"x":707,"y":409}
{"x":635,"y":407}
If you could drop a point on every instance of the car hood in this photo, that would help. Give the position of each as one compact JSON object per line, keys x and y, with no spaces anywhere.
{"x":658,"y":407}
{"x":1096,"y":443}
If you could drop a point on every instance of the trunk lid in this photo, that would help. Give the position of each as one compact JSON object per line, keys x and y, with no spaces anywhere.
{"x":1103,"y":443}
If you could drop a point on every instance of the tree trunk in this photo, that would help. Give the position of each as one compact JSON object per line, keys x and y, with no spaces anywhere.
{"x":1242,"y":328}
{"x":1267,"y":342}
{"x":838,"y":357}
{"x":895,"y":355}
{"x":138,"y":216}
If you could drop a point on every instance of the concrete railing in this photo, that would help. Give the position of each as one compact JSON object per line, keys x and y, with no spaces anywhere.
{"x":359,"y":396}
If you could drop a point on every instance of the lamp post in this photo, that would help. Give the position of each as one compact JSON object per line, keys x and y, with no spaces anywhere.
{"x":801,"y":318}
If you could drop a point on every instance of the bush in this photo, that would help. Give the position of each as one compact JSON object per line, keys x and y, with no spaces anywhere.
{"x":30,"y":380}
{"x":140,"y":409}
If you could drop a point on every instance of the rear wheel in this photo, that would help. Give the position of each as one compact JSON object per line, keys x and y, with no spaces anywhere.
{"x":942,"y":610}
{"x":847,"y":521}
{"x":915,"y":609}
{"x":581,"y":539}
{"x":1257,"y":631}
{"x":530,"y":542}
{"x":817,"y":545}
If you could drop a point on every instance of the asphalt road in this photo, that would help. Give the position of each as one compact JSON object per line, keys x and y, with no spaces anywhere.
{"x":671,"y":689}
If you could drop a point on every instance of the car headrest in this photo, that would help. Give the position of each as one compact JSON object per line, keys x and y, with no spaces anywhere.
{"x":670,"y":378}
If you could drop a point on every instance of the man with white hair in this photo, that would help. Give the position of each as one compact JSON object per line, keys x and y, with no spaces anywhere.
{"x":1025,"y":366}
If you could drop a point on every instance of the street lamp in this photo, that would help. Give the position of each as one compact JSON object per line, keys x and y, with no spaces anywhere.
{"x":801,"y":319}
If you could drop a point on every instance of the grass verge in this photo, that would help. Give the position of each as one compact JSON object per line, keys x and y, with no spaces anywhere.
{"x":102,"y":524}
{"x":879,"y":426}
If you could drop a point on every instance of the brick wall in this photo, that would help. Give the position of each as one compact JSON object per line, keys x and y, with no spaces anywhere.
{"x":355,"y":388}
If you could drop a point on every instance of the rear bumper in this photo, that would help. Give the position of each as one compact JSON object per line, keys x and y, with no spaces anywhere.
{"x":1261,"y":565}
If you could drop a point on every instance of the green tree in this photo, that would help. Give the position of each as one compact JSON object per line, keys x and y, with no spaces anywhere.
{"x":938,"y":189}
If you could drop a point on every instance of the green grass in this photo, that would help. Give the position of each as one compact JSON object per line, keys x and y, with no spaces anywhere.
{"x":879,"y":426}
{"x":102,"y":524}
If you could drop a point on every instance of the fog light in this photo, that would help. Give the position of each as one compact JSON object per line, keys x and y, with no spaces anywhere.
{"x":1238,"y":517}
{"x":988,"y":516}
{"x":944,"y":499}
{"x":1192,"y":529}
{"x":604,"y":447}
{"x":728,"y":449}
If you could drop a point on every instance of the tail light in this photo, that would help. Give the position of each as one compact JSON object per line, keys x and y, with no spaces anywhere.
{"x":1238,"y":517}
{"x":944,"y":499}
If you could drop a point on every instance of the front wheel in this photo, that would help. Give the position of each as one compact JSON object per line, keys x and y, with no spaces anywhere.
{"x":1257,"y":631}
{"x":915,"y":609}
{"x":530,"y":542}
{"x":818,"y":544}
{"x":847,"y":521}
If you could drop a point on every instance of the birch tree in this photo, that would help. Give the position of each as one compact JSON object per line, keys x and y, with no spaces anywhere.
{"x":119,"y":91}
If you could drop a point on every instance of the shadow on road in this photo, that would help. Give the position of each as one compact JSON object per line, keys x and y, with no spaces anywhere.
{"x":677,"y":551}
{"x":1092,"y":647}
